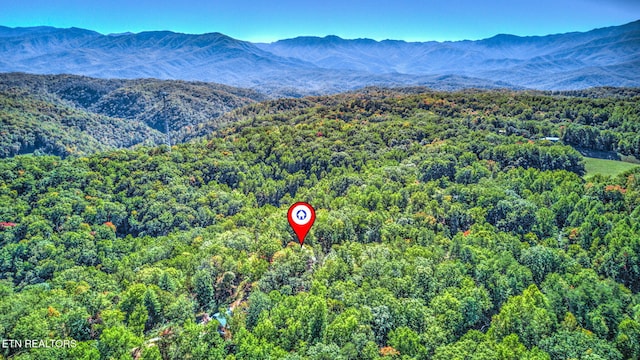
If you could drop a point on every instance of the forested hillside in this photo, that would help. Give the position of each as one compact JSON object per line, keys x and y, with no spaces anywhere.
{"x":445,"y":229}
{"x":75,"y":115}
{"x":598,"y":119}
{"x":32,"y":125}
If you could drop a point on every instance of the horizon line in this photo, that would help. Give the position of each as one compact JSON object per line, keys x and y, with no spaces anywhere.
{"x":272,"y":40}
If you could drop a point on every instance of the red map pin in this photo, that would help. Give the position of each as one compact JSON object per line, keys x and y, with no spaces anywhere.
{"x":301,"y":217}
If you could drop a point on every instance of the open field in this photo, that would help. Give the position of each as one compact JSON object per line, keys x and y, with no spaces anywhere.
{"x":606,"y":167}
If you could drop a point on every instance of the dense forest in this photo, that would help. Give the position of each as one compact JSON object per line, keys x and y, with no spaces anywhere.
{"x":446,"y":228}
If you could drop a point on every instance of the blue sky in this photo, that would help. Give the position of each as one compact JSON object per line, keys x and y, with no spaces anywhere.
{"x":256,"y":20}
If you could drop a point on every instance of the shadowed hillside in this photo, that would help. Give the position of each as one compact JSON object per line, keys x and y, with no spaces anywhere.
{"x":67,"y":114}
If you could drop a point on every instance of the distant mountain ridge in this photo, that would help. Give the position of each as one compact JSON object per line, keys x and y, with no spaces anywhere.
{"x":313,"y":65}
{"x":562,"y":61}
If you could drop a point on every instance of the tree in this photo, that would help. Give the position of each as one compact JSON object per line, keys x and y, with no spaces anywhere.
{"x":579,"y":345}
{"x":258,"y":302}
{"x":199,"y":342}
{"x":117,"y":343}
{"x":138,"y":319}
{"x":203,"y":286}
{"x":528,"y":315}
{"x":407,"y":342}
{"x":628,"y":339}
{"x":152,"y":304}
{"x":542,"y":261}
{"x":340,"y":330}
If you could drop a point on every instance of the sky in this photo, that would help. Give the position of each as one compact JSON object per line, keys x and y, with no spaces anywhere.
{"x":266,"y":21}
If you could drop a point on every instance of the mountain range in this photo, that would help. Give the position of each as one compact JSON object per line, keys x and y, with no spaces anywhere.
{"x":316,"y":65}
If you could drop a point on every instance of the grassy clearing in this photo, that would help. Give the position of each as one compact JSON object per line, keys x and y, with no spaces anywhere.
{"x":606,"y":167}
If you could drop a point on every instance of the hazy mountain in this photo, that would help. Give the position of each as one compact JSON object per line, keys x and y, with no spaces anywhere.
{"x":312,"y":65}
{"x":600,"y":57}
